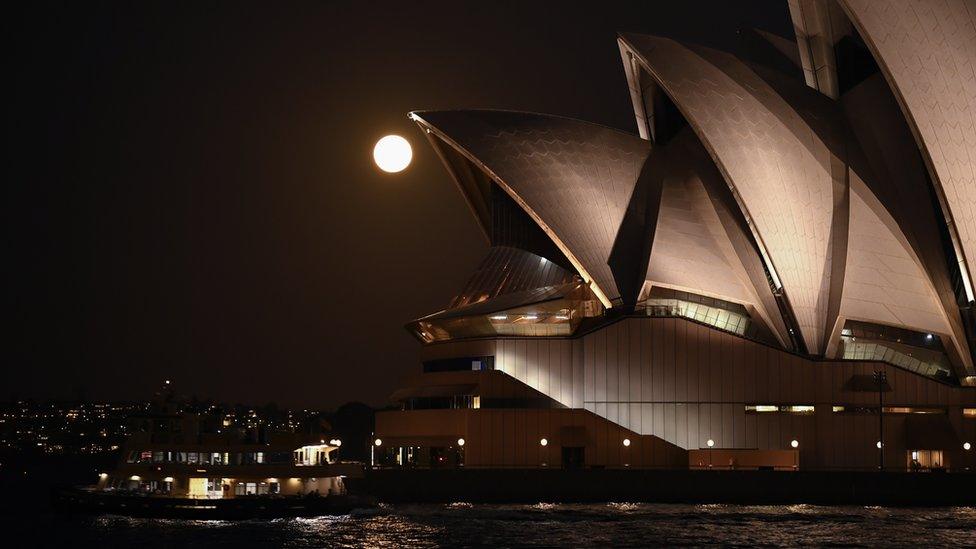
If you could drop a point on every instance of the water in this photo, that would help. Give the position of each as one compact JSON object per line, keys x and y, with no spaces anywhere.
{"x":461,"y":524}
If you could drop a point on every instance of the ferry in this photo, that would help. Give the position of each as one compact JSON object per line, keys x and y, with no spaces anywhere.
{"x":187,"y":466}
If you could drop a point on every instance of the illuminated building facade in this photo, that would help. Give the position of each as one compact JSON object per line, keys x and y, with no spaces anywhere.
{"x":776,"y":271}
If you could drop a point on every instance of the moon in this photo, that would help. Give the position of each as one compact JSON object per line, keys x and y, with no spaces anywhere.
{"x":392,"y":153}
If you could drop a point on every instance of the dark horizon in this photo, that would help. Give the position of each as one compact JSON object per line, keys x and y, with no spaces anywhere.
{"x":194,"y":196}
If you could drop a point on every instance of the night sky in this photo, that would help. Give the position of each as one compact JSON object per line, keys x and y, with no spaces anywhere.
{"x":193,"y":195}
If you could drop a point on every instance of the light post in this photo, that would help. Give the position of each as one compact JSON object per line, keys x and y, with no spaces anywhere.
{"x":881,"y":379}
{"x":372,"y":450}
{"x":710,"y":443}
{"x":545,"y":451}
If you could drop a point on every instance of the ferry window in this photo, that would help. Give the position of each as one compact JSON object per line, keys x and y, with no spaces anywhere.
{"x":145,"y":457}
{"x":263,"y":488}
{"x":274,"y":488}
{"x":157,"y":457}
{"x":260,"y":457}
{"x":969,"y":412}
{"x":217,"y":458}
{"x":192,"y":457}
{"x":251,"y":489}
{"x":205,"y":458}
{"x":239,"y":489}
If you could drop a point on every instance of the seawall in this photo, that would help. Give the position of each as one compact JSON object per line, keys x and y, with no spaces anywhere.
{"x":669,"y":486}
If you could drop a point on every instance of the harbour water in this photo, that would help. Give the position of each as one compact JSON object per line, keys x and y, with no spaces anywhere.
{"x":540,"y":525}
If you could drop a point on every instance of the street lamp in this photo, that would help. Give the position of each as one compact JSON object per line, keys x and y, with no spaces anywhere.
{"x":881,"y":379}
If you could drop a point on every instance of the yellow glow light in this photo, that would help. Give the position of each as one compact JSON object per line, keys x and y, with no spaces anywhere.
{"x":544,"y":442}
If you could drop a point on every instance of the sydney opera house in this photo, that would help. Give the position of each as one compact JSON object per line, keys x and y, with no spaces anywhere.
{"x":774,"y":272}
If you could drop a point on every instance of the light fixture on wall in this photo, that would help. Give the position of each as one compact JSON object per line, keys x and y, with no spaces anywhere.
{"x":966,"y":446}
{"x":626,"y":442}
{"x":544,"y":442}
{"x":794,"y":443}
{"x":460,"y":442}
{"x":710,"y":443}
{"x":378,"y":442}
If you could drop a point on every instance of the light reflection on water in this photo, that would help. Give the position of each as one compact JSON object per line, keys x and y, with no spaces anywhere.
{"x":543,"y":524}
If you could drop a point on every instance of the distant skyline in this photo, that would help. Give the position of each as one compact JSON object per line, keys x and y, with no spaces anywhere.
{"x":194,"y":196}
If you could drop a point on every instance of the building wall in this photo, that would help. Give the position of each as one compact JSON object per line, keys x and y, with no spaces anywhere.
{"x":687,"y":383}
{"x":512,"y":438}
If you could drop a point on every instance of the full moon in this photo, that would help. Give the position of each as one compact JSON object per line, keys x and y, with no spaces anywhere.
{"x":392,"y":153}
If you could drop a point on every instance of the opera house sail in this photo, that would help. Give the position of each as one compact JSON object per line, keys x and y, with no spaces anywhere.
{"x":775,"y":271}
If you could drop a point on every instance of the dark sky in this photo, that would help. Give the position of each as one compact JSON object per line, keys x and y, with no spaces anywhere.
{"x":192,"y":194}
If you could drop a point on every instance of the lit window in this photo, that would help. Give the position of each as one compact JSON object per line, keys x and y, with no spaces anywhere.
{"x":773,"y":408}
{"x":908,"y":410}
{"x":476,"y":401}
{"x":799,"y":409}
{"x":837,"y":408}
{"x":969,"y":412}
{"x":762,"y":408}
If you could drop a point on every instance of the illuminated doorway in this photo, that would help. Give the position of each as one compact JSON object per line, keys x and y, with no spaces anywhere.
{"x":924,"y":460}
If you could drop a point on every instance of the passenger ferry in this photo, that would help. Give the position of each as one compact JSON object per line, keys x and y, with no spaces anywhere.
{"x":187,"y":466}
